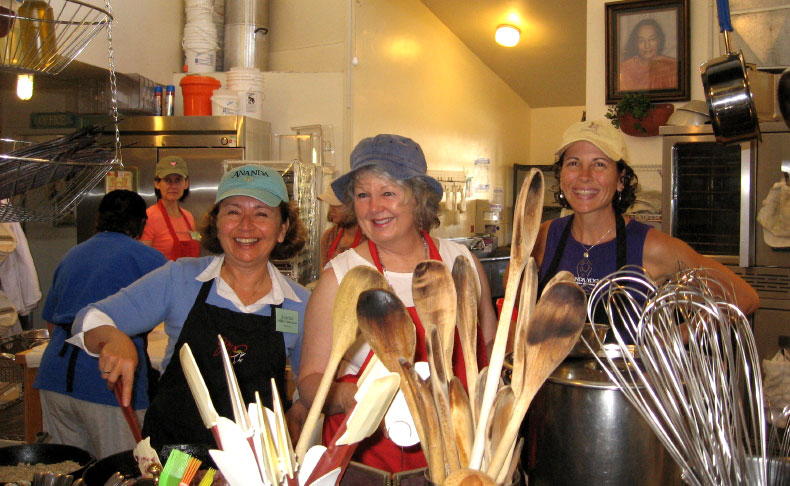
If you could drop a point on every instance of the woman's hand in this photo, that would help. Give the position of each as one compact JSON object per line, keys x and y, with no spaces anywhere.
{"x":294,"y":419}
{"x":117,"y":357}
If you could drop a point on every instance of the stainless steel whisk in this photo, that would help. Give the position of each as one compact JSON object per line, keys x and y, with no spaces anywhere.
{"x":692,"y":370}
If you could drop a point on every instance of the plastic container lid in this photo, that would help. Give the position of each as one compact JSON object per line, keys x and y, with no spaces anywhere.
{"x":171,"y":87}
{"x":157,"y":89}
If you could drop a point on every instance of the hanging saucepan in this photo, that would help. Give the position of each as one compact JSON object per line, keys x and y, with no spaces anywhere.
{"x":783,"y":94}
{"x":732,"y":111}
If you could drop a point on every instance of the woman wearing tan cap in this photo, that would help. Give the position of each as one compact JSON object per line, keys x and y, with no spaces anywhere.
{"x":171,"y":228}
{"x":595,"y":181}
{"x":344,"y":233}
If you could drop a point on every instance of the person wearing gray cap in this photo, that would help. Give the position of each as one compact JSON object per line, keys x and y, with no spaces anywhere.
{"x":237,"y":293}
{"x":396,"y":204}
{"x":171,"y":228}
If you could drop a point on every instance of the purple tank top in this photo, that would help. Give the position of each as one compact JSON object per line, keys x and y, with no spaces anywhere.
{"x":603,"y":257}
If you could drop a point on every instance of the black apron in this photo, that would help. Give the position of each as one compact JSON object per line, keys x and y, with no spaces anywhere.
{"x":600,"y":313}
{"x":256,"y":349}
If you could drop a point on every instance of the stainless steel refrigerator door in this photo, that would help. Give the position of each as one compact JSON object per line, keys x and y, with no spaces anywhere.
{"x":87,"y":209}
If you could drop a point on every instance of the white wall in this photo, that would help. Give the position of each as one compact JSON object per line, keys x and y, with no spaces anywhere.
{"x":415,"y":78}
{"x":548,"y":124}
{"x":644,"y":150}
{"x":146,"y":39}
{"x":308,"y":35}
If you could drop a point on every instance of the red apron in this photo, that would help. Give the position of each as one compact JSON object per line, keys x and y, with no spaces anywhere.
{"x":190,"y":248}
{"x":333,"y":247}
{"x":377,"y":451}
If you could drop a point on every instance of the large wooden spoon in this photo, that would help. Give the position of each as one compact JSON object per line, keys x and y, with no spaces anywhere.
{"x":386,"y":325}
{"x":344,"y":333}
{"x":526,"y":222}
{"x":441,"y":399}
{"x":466,"y":289}
{"x":501,"y":414}
{"x":468,"y":477}
{"x":463,"y":423}
{"x":552,"y":332}
{"x":434,"y":295}
{"x":529,"y":292}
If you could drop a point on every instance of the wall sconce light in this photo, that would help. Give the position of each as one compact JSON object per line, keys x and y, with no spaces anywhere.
{"x":507,"y":35}
{"x":24,"y":86}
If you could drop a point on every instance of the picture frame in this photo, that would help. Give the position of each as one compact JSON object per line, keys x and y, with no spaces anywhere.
{"x":647,"y":49}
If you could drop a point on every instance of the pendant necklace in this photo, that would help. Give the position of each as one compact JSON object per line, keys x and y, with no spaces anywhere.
{"x":384,"y":269}
{"x":584,"y":267}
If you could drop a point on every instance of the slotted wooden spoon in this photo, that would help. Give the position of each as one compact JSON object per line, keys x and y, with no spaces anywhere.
{"x":344,"y":333}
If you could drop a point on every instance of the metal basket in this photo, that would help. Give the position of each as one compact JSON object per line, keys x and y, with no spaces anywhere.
{"x":44,"y":36}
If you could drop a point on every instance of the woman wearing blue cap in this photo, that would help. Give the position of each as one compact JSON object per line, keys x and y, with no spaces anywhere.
{"x":396,"y":203}
{"x":237,"y":293}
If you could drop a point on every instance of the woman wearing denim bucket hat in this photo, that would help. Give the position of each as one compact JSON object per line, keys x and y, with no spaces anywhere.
{"x":237,"y":293}
{"x":171,"y":228}
{"x":595,"y":181}
{"x":396,"y":204}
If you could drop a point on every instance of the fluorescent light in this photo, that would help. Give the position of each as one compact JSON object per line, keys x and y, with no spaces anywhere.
{"x":24,"y":86}
{"x":507,"y":35}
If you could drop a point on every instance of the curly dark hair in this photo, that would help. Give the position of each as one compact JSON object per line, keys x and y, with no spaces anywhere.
{"x":631,"y":48}
{"x":158,"y":193}
{"x":626,"y":198}
{"x":122,"y":211}
{"x":295,"y":236}
{"x":426,"y":214}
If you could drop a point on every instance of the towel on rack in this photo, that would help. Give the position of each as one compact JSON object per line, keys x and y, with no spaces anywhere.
{"x":774,"y":216}
{"x":18,"y":277}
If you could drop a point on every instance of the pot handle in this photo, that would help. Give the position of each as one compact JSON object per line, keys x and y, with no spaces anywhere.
{"x":723,"y":10}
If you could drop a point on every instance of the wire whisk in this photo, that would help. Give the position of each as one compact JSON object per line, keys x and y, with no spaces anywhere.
{"x":687,"y":361}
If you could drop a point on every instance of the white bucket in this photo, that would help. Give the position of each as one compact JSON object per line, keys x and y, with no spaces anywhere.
{"x":204,"y":61}
{"x":245,"y":79}
{"x":224,"y":102}
{"x":190,"y":4}
{"x":196,"y":15}
{"x":251,"y":104}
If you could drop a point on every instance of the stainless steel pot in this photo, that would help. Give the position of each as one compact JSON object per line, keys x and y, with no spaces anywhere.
{"x":580,"y":429}
{"x":732,"y":110}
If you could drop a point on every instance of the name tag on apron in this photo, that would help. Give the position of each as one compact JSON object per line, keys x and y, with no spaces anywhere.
{"x":195,"y":235}
{"x":286,"y":320}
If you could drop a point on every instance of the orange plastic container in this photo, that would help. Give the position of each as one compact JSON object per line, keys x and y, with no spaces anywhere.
{"x":197,"y":91}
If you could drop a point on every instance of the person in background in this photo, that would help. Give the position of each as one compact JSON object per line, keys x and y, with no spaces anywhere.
{"x":236,"y":293}
{"x":645,"y":66}
{"x":77,"y":408}
{"x":596,"y":182}
{"x":344,"y":233}
{"x":171,"y":228}
{"x":396,"y":204}
{"x":18,"y":277}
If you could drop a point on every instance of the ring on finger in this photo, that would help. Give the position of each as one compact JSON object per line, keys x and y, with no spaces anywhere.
{"x":106,"y":372}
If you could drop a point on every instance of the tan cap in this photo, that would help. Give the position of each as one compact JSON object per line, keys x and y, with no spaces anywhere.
{"x":329,"y":197}
{"x":172,"y":164}
{"x":600,"y":133}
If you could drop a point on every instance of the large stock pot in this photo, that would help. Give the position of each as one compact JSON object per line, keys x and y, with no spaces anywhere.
{"x":581,"y":429}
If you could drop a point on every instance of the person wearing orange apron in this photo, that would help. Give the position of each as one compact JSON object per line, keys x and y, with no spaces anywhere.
{"x":344,"y":234}
{"x":396,"y":204}
{"x":171,"y":228}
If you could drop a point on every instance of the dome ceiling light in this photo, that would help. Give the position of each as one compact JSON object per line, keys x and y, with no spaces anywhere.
{"x":507,"y":35}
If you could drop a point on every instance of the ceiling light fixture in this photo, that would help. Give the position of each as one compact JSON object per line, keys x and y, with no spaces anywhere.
{"x":507,"y":35}
{"x":24,"y":86}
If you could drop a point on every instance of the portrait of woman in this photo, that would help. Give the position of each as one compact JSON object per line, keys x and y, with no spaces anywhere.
{"x":645,"y":65}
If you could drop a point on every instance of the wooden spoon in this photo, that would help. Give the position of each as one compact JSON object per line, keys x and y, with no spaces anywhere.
{"x":434,"y":295}
{"x":431,"y":445}
{"x":441,"y":399}
{"x":468,"y":477}
{"x":466,"y":289}
{"x":501,"y":413}
{"x":386,"y":325}
{"x":526,"y":222}
{"x":344,"y":333}
{"x":553,"y":330}
{"x":529,"y":292}
{"x":463,"y":423}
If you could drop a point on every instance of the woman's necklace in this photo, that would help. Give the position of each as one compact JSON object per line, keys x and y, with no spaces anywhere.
{"x":584,"y":267}
{"x":384,"y":269}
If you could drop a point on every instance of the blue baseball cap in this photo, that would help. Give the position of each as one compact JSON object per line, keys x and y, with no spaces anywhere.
{"x":262,"y":183}
{"x":401,"y":157}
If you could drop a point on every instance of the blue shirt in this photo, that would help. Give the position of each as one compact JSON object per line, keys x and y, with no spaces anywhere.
{"x":89,"y":272}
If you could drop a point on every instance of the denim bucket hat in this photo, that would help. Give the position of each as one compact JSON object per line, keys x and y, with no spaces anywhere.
{"x":401,"y":157}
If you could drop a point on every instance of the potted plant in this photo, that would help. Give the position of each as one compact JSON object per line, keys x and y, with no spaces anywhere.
{"x":637,"y":116}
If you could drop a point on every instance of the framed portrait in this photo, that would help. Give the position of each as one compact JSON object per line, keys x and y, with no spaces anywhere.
{"x":647,"y":49}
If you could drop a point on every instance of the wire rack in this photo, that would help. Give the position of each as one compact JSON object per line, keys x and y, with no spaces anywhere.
{"x":44,"y":36}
